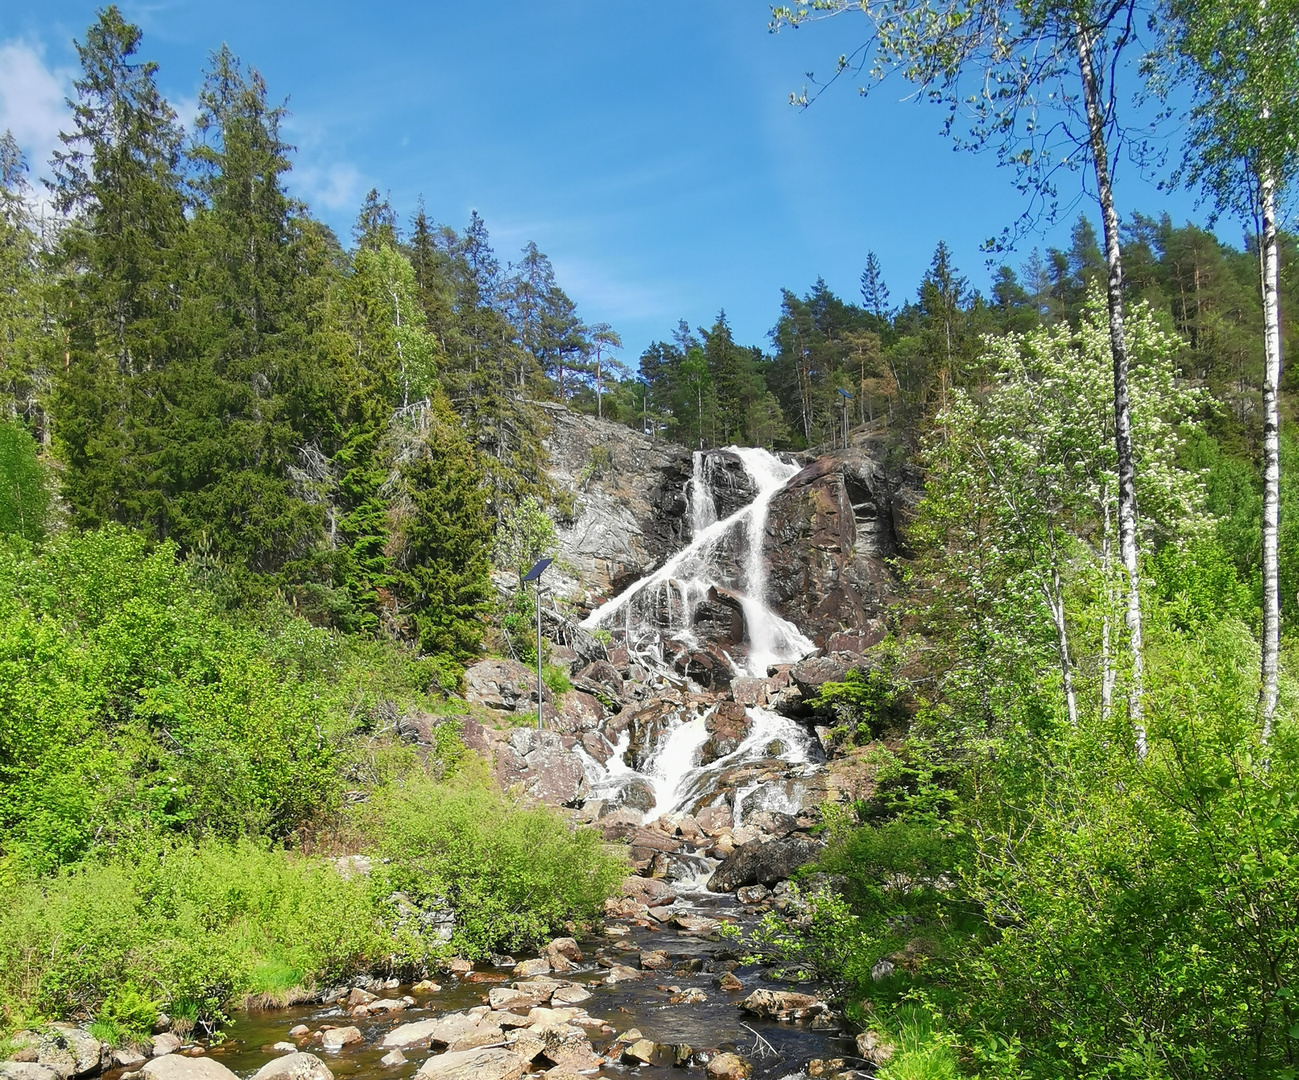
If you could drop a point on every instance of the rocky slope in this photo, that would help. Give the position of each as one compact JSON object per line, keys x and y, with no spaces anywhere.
{"x":711,"y":772}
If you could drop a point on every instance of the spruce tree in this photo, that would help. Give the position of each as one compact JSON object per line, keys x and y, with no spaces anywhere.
{"x":119,"y":177}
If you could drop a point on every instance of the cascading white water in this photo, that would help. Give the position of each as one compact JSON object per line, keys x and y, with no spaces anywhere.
{"x":663,"y":605}
{"x":680,"y":584}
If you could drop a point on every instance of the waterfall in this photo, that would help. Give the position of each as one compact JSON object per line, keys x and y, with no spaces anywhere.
{"x":662,"y":607}
{"x":665,"y":602}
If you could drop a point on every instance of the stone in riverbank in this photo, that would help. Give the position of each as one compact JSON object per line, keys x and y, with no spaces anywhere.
{"x":166,"y":1043}
{"x":483,"y":1063}
{"x":783,"y":1004}
{"x":296,"y":1066}
{"x":339,"y":1037}
{"x":729,"y":1067}
{"x":30,"y":1070}
{"x":178,"y":1067}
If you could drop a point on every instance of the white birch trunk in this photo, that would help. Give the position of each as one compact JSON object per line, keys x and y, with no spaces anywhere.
{"x":1107,"y":580}
{"x":1271,"y":450}
{"x":1127,"y":493}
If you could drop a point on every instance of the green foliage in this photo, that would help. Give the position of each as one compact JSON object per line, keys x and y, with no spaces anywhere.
{"x":870,"y":700}
{"x":556,"y":677}
{"x":189,"y":927}
{"x":512,"y":875}
{"x":24,"y":490}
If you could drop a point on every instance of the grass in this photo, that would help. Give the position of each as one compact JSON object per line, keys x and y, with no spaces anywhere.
{"x":923,"y":1052}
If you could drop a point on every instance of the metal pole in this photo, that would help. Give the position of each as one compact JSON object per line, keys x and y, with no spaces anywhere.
{"x":539,"y":653}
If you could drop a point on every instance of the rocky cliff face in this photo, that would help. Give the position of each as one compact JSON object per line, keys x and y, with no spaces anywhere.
{"x":693,"y":724}
{"x":630,"y":502}
{"x":830,"y":532}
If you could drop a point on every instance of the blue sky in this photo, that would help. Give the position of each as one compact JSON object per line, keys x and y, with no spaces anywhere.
{"x":648,"y":149}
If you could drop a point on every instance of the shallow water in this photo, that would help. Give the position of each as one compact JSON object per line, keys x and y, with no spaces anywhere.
{"x":715,"y":1023}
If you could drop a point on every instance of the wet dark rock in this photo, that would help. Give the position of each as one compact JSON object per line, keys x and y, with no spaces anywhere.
{"x":719,"y":618}
{"x":829,"y":534}
{"x":730,"y":483}
{"x":757,"y":863}
{"x":707,"y":666}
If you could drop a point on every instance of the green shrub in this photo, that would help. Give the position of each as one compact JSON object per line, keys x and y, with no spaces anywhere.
{"x":512,"y":875}
{"x":189,"y":927}
{"x":556,"y":678}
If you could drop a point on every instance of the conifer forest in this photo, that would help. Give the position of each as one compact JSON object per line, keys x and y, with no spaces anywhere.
{"x":971,"y":610}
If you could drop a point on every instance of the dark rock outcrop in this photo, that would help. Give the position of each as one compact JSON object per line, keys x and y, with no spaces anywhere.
{"x":829,"y":532}
{"x":756,"y":863}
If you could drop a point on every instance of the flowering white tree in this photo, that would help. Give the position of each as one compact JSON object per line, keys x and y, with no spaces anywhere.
{"x":1023,"y":484}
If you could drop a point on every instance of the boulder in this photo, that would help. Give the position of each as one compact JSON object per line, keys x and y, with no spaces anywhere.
{"x":482,"y":1063}
{"x":714,"y":820}
{"x":646,"y":1052}
{"x":874,"y":1048}
{"x":339,"y":1037}
{"x":393,"y":1058}
{"x":570,"y":995}
{"x":414,"y":1036}
{"x":605,"y":676}
{"x":544,"y":765}
{"x":749,"y":691}
{"x":166,"y":1043}
{"x":729,"y":1067}
{"x":504,"y":685}
{"x":579,"y":712}
{"x":654,"y":960}
{"x":783,"y":1004}
{"x":31,"y":1070}
{"x":525,"y":969}
{"x":566,"y":1044}
{"x":648,"y":891}
{"x":296,"y":1066}
{"x":757,"y":863}
{"x":179,"y":1067}
{"x":727,"y":726}
{"x":73,"y":1047}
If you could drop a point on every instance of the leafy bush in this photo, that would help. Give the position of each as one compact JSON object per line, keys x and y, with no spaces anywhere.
{"x":189,"y":927}
{"x":556,"y":678}
{"x":512,"y":875}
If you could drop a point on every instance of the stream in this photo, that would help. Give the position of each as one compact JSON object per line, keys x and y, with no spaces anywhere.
{"x":716,"y":1023}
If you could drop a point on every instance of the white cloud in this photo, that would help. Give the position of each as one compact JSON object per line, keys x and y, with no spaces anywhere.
{"x":329,"y":187}
{"x":32,"y":103}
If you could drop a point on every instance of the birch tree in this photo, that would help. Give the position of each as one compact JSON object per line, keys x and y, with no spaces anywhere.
{"x":1023,"y":477}
{"x":1036,"y":81}
{"x":1242,"y":58}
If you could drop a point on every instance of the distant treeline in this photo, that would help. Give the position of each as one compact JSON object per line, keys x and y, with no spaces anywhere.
{"x":901,"y":361}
